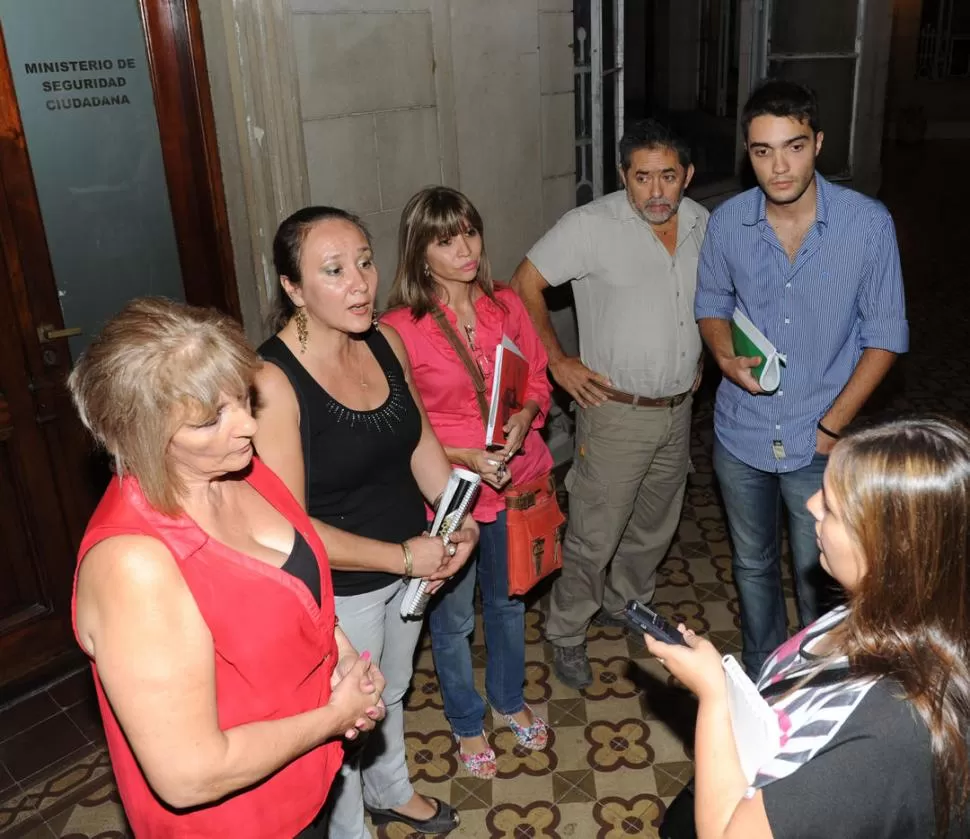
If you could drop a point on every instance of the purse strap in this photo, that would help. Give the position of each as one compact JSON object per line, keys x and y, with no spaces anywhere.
{"x":478,"y":380}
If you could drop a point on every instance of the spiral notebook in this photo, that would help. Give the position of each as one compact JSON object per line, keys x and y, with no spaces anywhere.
{"x":456,"y":500}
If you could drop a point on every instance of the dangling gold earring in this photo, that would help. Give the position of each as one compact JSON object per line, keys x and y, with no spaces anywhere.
{"x":302,"y":333}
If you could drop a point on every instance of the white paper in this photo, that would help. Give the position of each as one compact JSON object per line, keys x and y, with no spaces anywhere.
{"x":757,"y":734}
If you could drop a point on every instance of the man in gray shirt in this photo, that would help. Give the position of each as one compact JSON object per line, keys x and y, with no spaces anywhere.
{"x":632,"y":258}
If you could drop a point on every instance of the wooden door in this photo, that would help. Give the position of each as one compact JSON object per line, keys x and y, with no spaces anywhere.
{"x":50,"y":475}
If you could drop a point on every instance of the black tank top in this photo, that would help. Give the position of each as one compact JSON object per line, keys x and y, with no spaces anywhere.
{"x":358,"y":463}
{"x":302,"y":564}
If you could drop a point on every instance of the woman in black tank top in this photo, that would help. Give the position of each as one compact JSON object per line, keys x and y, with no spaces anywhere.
{"x":340,"y":424}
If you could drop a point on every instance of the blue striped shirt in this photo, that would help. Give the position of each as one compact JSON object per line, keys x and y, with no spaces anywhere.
{"x":843,"y":293}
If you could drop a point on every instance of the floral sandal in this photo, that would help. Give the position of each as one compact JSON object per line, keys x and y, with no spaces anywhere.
{"x":534,"y":737}
{"x":479,"y":764}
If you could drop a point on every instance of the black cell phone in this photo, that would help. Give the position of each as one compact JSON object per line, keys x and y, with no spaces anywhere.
{"x":647,"y":620}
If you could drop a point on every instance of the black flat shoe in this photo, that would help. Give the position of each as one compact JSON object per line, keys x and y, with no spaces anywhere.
{"x":444,"y":821}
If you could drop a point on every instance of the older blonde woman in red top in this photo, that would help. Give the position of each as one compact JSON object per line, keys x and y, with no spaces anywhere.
{"x":442,"y":265}
{"x":203,"y":594}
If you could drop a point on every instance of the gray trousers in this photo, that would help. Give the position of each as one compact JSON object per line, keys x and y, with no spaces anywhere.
{"x":377,"y":772}
{"x":626,"y":492}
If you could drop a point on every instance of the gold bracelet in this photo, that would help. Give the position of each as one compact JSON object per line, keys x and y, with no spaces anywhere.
{"x":408,"y":560}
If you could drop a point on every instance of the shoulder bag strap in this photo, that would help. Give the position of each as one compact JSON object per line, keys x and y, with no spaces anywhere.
{"x":478,"y":380}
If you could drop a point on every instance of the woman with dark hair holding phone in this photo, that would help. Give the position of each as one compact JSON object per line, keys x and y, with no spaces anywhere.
{"x":873,"y":699}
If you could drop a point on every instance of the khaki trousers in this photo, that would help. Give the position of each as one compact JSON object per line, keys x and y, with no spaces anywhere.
{"x":626,"y":492}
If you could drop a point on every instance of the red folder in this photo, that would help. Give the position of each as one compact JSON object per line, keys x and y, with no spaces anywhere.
{"x":508,"y":390}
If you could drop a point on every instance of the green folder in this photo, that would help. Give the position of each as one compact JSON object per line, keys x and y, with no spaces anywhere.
{"x":749,"y":342}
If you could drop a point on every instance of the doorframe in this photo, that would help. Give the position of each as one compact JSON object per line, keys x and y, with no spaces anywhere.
{"x":599,"y":76}
{"x":186,"y":124}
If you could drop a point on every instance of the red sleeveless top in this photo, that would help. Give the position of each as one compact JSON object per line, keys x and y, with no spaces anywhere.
{"x":274,"y":654}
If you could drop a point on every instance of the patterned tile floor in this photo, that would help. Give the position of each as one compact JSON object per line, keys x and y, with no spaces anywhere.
{"x":618,"y":753}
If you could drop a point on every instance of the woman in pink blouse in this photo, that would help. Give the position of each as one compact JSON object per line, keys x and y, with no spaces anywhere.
{"x":442,"y":265}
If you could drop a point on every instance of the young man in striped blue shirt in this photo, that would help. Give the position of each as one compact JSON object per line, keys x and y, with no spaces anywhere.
{"x":815,"y":266}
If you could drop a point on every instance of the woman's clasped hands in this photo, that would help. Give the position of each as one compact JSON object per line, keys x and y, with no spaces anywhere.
{"x":357,"y":684}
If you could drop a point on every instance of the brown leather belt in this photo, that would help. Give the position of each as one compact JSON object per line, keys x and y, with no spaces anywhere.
{"x":632,"y":399}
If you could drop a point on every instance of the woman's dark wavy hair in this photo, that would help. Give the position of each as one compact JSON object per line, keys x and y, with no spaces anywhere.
{"x":288,"y":250}
{"x":433,"y":214}
{"x":904,"y":489}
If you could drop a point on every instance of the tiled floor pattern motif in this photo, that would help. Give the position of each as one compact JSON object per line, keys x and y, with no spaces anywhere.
{"x":615,"y":758}
{"x":618,"y":752}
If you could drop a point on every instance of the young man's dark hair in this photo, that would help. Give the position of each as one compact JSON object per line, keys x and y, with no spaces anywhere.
{"x":780,"y":98}
{"x":651,"y":134}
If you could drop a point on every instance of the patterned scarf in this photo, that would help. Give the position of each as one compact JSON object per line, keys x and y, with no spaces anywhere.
{"x":809,"y":715}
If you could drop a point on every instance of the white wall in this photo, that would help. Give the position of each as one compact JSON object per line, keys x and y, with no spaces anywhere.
{"x":398,"y":94}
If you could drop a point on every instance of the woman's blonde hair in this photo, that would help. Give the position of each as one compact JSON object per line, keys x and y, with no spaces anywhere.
{"x":433,"y":214}
{"x":155,"y":364}
{"x":904,"y":492}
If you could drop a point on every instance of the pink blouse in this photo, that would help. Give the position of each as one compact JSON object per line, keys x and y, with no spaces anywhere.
{"x":448,"y":392}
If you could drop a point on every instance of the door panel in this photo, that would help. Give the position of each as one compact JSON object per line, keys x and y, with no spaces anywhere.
{"x":818,"y":43}
{"x":816,"y":26}
{"x":50,"y":475}
{"x":95,"y":155}
{"x":35,"y":556}
{"x":833,"y":80}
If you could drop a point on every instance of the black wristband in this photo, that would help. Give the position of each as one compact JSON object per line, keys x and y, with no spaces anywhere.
{"x":826,"y":432}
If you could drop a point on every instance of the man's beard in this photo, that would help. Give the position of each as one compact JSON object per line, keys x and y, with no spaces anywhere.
{"x":661,"y":213}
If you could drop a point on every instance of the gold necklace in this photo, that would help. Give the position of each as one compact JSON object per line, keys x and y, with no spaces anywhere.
{"x":360,"y":368}
{"x":470,"y":333}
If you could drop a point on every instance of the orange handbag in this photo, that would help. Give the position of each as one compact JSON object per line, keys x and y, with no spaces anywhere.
{"x":535,"y":523}
{"x":535,"y":532}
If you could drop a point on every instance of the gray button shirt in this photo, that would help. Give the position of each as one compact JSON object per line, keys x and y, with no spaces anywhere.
{"x":634,"y":301}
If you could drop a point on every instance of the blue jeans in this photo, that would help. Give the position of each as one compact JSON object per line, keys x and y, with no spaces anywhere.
{"x":452,"y":622}
{"x":752,"y":501}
